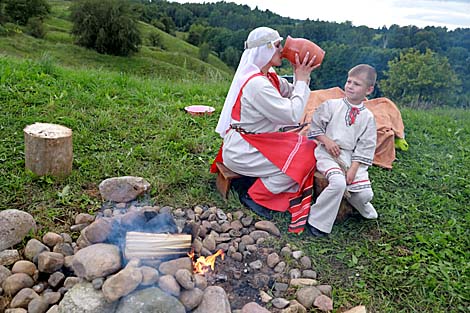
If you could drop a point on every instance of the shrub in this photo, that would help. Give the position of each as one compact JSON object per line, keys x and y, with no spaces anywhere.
{"x":204,"y":51}
{"x":155,"y":40}
{"x":107,"y":26}
{"x":36,"y":28}
{"x":20,"y":11}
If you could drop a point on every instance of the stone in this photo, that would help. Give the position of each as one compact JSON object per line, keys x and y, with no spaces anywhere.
{"x":15,"y":282}
{"x":50,"y":239}
{"x":170,"y":267}
{"x":15,"y":225}
{"x":169,"y":284}
{"x":4,"y":273}
{"x":214,"y":300}
{"x":301,"y":282}
{"x":53,"y":309}
{"x":84,"y":218}
{"x":268,"y":226}
{"x":309,"y":274}
{"x":280,"y":303}
{"x":23,"y":297}
{"x":273,"y":259}
{"x":357,"y":309}
{"x":294,"y":307}
{"x":191,"y":298}
{"x":56,"y":279}
{"x":37,"y":305}
{"x":149,"y":300}
{"x":9,"y":257}
{"x":98,"y":231}
{"x":325,"y":289}
{"x":51,"y":297}
{"x":253,"y":307}
{"x":98,"y":260}
{"x":123,"y":189}
{"x":323,"y":303}
{"x":63,"y":248}
{"x":83,"y":298}
{"x":33,"y":248}
{"x":149,"y":275}
{"x":122,"y":283}
{"x":23,"y":266}
{"x":257,"y":234}
{"x":50,"y":262}
{"x":185,"y":278}
{"x":305,"y":262}
{"x":307,"y":295}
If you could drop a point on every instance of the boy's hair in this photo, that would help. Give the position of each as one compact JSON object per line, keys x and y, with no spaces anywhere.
{"x":369,"y":72}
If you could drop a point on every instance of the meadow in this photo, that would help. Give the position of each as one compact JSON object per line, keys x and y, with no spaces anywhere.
{"x":414,"y":258}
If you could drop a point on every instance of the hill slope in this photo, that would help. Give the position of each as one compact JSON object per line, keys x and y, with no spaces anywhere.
{"x":177,"y":60}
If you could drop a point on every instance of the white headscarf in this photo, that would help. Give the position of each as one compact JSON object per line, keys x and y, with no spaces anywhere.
{"x":259,"y":49}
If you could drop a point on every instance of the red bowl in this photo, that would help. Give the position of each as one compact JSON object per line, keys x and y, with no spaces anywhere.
{"x":199,"y":109}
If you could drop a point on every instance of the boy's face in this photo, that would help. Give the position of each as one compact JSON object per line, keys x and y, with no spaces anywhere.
{"x":357,"y":88}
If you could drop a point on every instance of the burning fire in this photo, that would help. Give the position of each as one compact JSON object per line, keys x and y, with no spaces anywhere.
{"x":202,"y":263}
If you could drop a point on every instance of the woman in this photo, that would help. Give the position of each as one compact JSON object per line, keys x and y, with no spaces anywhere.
{"x":257,"y":105}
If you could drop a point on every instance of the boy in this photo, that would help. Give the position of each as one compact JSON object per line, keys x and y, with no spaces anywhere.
{"x":347,"y":134}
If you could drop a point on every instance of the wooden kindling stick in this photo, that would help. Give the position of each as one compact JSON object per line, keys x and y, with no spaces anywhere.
{"x":150,"y":245}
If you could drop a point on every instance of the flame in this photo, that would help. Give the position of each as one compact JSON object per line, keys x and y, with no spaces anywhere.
{"x":203,"y":264}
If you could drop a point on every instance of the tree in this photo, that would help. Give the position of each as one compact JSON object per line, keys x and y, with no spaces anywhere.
{"x":204,"y":51}
{"x":420,"y":79}
{"x":19,"y":11}
{"x":107,"y":26}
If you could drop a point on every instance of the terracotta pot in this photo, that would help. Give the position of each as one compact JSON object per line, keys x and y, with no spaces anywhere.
{"x":301,"y":46}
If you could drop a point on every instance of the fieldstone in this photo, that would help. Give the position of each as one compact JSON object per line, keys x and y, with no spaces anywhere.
{"x":209,"y":242}
{"x":305,"y":262}
{"x":324,"y":303}
{"x":33,"y":248}
{"x":38,"y":305}
{"x":185,"y":278}
{"x":15,"y":282}
{"x":286,"y":252}
{"x":63,"y":248}
{"x":50,"y":262}
{"x":53,"y":309}
{"x":247,"y":220}
{"x":273,"y":259}
{"x":71,"y":281}
{"x":56,"y":279}
{"x":16,"y":310}
{"x":84,"y":218}
{"x":280,"y":303}
{"x":149,"y":276}
{"x":297,"y":254}
{"x":40,"y":287}
{"x":191,"y":298}
{"x":123,"y":189}
{"x":294,"y":307}
{"x":309,"y":274}
{"x":280,"y":267}
{"x":170,"y":267}
{"x":98,"y":231}
{"x":295,"y":273}
{"x":83,"y":298}
{"x":257,"y":234}
{"x":200,"y":281}
{"x":325,"y":289}
{"x":307,"y":295}
{"x":253,"y":307}
{"x":14,"y":226}
{"x":23,"y":297}
{"x":302,"y":282}
{"x":4,"y":273}
{"x":50,"y":239}
{"x":149,"y":300}
{"x":169,"y":284}
{"x":214,"y":300}
{"x":23,"y":266}
{"x":264,"y":296}
{"x":122,"y":283}
{"x":9,"y":257}
{"x":98,"y":283}
{"x":51,"y":297}
{"x":268,"y":226}
{"x":98,"y":260}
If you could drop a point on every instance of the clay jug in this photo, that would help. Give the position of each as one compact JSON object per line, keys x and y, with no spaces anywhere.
{"x":301,"y":46}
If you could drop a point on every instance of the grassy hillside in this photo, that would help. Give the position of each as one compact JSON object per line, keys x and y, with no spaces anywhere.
{"x":178,"y":60}
{"x":413,"y":259}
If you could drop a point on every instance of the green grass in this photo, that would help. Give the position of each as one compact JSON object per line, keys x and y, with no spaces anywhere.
{"x":413,"y":259}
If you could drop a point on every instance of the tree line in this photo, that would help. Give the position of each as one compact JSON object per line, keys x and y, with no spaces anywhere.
{"x":416,"y":66}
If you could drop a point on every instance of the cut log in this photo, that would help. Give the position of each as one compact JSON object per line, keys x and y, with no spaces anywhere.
{"x":153,"y":246}
{"x":345,"y":208}
{"x":48,"y":149}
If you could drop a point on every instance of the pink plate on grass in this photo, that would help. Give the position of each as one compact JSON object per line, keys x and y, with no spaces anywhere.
{"x":199,"y":109}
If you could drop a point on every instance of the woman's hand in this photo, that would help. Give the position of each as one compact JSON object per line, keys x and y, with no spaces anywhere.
{"x":303,"y":69}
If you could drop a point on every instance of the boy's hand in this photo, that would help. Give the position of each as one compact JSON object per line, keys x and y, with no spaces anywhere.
{"x":330,"y":146}
{"x":351,"y":174}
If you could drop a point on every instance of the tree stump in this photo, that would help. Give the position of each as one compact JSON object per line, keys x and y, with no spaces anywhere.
{"x":345,"y":208}
{"x":48,"y":149}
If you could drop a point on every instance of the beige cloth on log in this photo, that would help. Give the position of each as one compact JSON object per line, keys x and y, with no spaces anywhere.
{"x":387,"y":117}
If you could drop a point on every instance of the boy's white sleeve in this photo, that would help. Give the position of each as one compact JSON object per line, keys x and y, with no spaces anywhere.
{"x":320,"y":119}
{"x":365,"y":147}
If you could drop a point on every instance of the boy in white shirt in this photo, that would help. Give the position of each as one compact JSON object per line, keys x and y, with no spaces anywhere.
{"x":347,"y":134}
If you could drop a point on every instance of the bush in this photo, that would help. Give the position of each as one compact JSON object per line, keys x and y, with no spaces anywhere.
{"x":204,"y":51}
{"x":20,"y":11}
{"x":156,"y":40}
{"x":36,"y":28}
{"x":107,"y":26}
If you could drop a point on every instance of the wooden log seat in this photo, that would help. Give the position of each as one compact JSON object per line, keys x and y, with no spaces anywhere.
{"x":224,"y":179}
